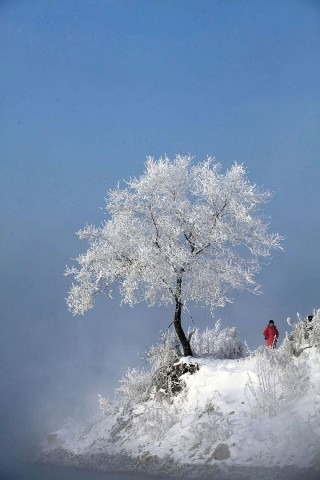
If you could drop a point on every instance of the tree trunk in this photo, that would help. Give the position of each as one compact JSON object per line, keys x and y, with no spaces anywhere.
{"x":179,"y":330}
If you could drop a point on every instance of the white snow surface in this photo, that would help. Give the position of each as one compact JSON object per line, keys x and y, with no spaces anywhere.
{"x":261,"y":414}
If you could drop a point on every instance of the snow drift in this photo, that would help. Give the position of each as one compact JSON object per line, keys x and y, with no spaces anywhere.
{"x":262,"y":410}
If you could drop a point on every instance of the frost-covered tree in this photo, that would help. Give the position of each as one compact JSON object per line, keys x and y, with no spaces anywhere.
{"x":182,"y":232}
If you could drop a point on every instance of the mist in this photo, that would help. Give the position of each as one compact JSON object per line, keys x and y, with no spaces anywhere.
{"x":88,"y":90}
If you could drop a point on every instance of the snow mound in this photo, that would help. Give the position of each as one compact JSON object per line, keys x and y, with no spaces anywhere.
{"x":259,"y":411}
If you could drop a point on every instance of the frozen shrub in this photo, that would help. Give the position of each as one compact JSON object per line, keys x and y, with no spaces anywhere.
{"x":263,"y":395}
{"x":106,"y":406}
{"x":314,"y":331}
{"x":304,"y":335}
{"x":279,"y":376}
{"x":218,"y":343}
{"x":292,"y":375}
{"x":167,"y":367}
{"x":163,"y":380}
{"x":156,"y":420}
{"x":165,"y":353}
{"x":134,"y":386}
{"x":167,"y":380}
{"x":214,"y":425}
{"x":216,"y":428}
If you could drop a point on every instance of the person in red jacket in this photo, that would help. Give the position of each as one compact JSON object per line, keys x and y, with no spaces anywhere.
{"x":271,"y":334}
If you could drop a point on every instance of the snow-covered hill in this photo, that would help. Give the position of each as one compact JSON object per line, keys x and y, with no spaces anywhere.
{"x":259,"y":411}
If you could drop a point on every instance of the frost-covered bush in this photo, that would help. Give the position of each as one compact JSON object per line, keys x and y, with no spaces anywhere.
{"x":162,"y":380}
{"x":167,"y":380}
{"x":304,"y":334}
{"x":167,"y":367}
{"x":106,"y":406}
{"x":162,"y":359}
{"x":279,"y":376}
{"x":214,"y":425}
{"x":156,"y":420}
{"x":165,"y":353}
{"x":134,"y":386}
{"x":218,"y":343}
{"x":263,"y":395}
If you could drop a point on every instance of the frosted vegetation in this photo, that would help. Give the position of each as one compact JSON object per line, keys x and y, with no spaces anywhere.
{"x":182,"y":232}
{"x":233,"y":407}
{"x":186,"y":233}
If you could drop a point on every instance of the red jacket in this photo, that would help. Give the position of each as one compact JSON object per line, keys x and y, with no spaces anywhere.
{"x":271,"y":335}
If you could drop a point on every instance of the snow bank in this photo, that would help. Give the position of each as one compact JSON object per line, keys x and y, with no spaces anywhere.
{"x":259,"y":411}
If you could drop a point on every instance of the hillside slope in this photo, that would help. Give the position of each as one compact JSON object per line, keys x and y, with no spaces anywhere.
{"x":259,"y":411}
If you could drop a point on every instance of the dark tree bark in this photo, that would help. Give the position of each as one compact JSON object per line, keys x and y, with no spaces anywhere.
{"x":177,"y":322}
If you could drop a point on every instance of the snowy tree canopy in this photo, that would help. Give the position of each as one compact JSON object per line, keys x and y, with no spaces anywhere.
{"x":181,"y":232}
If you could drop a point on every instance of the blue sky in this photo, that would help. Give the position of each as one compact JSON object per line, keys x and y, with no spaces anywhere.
{"x":88,"y":90}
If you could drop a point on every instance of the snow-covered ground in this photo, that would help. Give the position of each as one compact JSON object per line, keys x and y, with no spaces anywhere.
{"x":258,"y":412}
